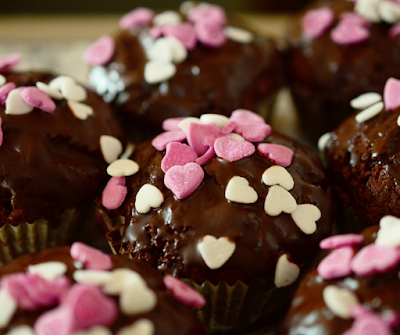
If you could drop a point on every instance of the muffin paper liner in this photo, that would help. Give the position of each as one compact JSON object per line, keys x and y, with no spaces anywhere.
{"x":114,"y":223}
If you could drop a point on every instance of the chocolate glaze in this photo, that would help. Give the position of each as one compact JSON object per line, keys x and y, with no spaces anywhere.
{"x":169,"y":316}
{"x":308,"y":314}
{"x":51,"y":162}
{"x":325,"y":76}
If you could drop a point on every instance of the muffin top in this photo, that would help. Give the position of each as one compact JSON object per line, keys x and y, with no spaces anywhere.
{"x":80,"y":290}
{"x":355,"y":289}
{"x":51,"y":156}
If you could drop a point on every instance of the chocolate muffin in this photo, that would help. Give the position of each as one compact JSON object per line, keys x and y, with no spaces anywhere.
{"x":52,"y":163}
{"x":161,"y":66}
{"x":339,"y":50}
{"x":238,"y":225}
{"x":80,"y":290}
{"x":355,"y":289}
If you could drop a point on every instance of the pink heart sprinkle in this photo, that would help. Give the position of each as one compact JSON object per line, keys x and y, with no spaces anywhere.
{"x":177,"y":154}
{"x":348,"y":32}
{"x":100,"y":52}
{"x":184,"y":180}
{"x":206,"y":157}
{"x":244,"y":116}
{"x":232,"y":150}
{"x":58,"y":321}
{"x":4,"y":90}
{"x":184,"y":293}
{"x":8,"y":62}
{"x":374,"y":259}
{"x":210,"y":34}
{"x":391,"y":94}
{"x":369,"y":324}
{"x":395,"y":30}
{"x":172,"y":124}
{"x":336,"y":264}
{"x":357,"y":19}
{"x":90,"y":257}
{"x":254,"y":132}
{"x":160,"y":142}
{"x":230,"y":127}
{"x":198,"y":133}
{"x":38,"y":99}
{"x":156,"y":32}
{"x":317,"y":21}
{"x":279,"y":154}
{"x":90,"y":307}
{"x":184,"y":32}
{"x":140,"y":16}
{"x":114,"y":193}
{"x":208,"y":14}
{"x":338,"y":241}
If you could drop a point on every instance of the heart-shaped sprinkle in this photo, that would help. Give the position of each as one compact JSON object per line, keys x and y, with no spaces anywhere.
{"x":140,"y":327}
{"x":79,"y":110}
{"x":100,"y":52}
{"x":317,"y":21}
{"x":208,"y":13}
{"x":339,"y":300}
{"x":15,"y":105}
{"x":206,"y":157}
{"x":278,"y":175}
{"x":232,"y":150}
{"x":58,"y":321}
{"x":140,"y":16}
{"x":389,"y":11}
{"x":279,"y":200}
{"x":337,"y":264}
{"x":148,"y":197}
{"x":254,"y":132}
{"x":199,"y":134}
{"x":156,"y":32}
{"x":111,"y":148}
{"x":92,"y":277}
{"x":8,"y":308}
{"x":161,"y":51}
{"x":179,"y":51}
{"x":49,"y":91}
{"x":323,"y":141}
{"x":235,"y":136}
{"x":122,"y":167}
{"x":184,"y":180}
{"x":21,"y":330}
{"x":239,"y":35}
{"x":157,"y":72}
{"x":216,"y":252}
{"x":96,"y":330}
{"x":365,"y":100}
{"x":368,"y":9}
{"x":72,"y":91}
{"x":49,"y":270}
{"x":184,"y":124}
{"x":210,"y":34}
{"x":279,"y":154}
{"x":172,"y":124}
{"x":90,"y":257}
{"x":160,"y":142}
{"x":136,"y":298}
{"x":121,"y":278}
{"x":370,"y":112}
{"x":219,"y":120}
{"x":391,"y":94}
{"x":369,"y":324}
{"x":186,"y":6}
{"x":244,"y":116}
{"x":129,"y":149}
{"x":5,"y":90}
{"x":394,"y":31}
{"x":59,"y":81}
{"x":184,"y":32}
{"x":38,"y":99}
{"x":3,"y":80}
{"x":374,"y":259}
{"x":184,"y":293}
{"x":348,"y":32}
{"x":114,"y":193}
{"x":167,"y":17}
{"x":229,"y":128}
{"x":389,"y":232}
{"x":8,"y":62}
{"x":286,"y":272}
{"x":343,"y":240}
{"x":357,"y":19}
{"x":305,"y":217}
{"x":177,"y":154}
{"x":239,"y":190}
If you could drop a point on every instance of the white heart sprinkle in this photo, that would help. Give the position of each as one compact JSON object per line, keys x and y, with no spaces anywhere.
{"x":157,"y":72}
{"x":398,"y":121}
{"x":179,"y":52}
{"x":161,"y":51}
{"x":365,"y":100}
{"x":286,"y":272}
{"x":79,"y":110}
{"x":119,"y":279}
{"x":279,"y":200}
{"x":148,"y":197}
{"x":389,"y":232}
{"x":111,"y":148}
{"x":239,"y":190}
{"x":49,"y":270}
{"x":186,"y":6}
{"x":57,"y":82}
{"x":370,"y":112}
{"x":49,"y":91}
{"x":278,"y":175}
{"x":122,"y":167}
{"x":389,"y":11}
{"x":15,"y":105}
{"x":323,"y":141}
{"x":129,"y":149}
{"x":216,"y":252}
{"x":3,"y":80}
{"x":8,"y":308}
{"x":368,"y":9}
{"x":339,"y":300}
{"x":137,"y":298}
{"x":166,"y":18}
{"x":21,"y":330}
{"x":97,"y":330}
{"x":184,"y":124}
{"x":140,"y":327}
{"x":92,"y":277}
{"x":305,"y":217}
{"x":238,"y":35}
{"x":72,"y":91}
{"x":237,"y":137}
{"x":219,"y":120}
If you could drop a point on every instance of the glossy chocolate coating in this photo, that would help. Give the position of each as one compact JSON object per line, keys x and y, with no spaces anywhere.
{"x":169,"y":316}
{"x":51,"y":162}
{"x":325,"y":76}
{"x":308,"y":313}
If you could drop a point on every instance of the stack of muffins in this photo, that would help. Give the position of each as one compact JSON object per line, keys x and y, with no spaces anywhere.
{"x":217,"y":218}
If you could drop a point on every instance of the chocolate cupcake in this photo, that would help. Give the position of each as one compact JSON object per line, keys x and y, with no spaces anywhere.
{"x":56,"y":139}
{"x":237,"y":223}
{"x":338,"y":50}
{"x":355,"y":289}
{"x":179,"y":65}
{"x":80,"y":290}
